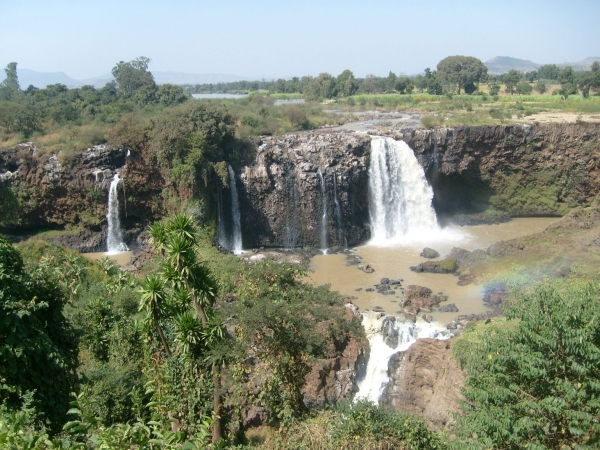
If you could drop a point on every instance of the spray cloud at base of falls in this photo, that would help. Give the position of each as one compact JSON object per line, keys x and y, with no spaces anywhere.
{"x":114,"y":236}
{"x":236,"y":246}
{"x":400,"y":198}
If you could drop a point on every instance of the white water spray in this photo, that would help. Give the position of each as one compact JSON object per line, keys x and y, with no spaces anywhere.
{"x":399,"y":195}
{"x":114,"y":238}
{"x":383,"y":333}
{"x":324,"y":216}
{"x":235,"y":214}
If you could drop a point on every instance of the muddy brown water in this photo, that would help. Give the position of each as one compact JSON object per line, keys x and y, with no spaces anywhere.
{"x":122,"y":258}
{"x":394,"y":261}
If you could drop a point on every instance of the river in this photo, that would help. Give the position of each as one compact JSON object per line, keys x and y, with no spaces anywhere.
{"x":393,"y":262}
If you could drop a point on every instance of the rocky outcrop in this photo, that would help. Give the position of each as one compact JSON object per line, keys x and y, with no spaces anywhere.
{"x":70,"y":190}
{"x":425,"y":380}
{"x":521,"y":170}
{"x":283,"y":201}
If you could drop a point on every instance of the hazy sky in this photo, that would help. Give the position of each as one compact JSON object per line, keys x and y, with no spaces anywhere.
{"x":267,"y":38}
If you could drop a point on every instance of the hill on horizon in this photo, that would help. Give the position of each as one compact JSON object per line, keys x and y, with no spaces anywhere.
{"x":504,"y":64}
{"x":42,"y":79}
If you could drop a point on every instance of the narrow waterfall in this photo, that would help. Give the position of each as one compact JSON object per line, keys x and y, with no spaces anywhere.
{"x":324,"y":215}
{"x":114,"y":237}
{"x":221,"y":236}
{"x":338,"y":211}
{"x":389,"y":335}
{"x":399,"y":194}
{"x":236,"y":246}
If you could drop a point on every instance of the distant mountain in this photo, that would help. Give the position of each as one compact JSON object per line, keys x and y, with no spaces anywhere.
{"x":43,"y":79}
{"x":504,"y":64}
{"x":585,"y":64}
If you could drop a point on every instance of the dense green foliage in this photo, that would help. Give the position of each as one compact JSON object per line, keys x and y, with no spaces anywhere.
{"x":537,"y":384}
{"x":38,"y":350}
{"x":463,"y":71}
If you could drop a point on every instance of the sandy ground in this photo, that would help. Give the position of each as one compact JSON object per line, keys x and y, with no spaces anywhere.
{"x":561,"y":117}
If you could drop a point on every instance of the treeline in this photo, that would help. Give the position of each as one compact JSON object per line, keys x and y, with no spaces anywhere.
{"x":31,"y":109}
{"x":453,"y":74}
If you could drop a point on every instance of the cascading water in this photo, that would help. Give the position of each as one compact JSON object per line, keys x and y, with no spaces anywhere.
{"x":114,"y":238}
{"x":221,"y":236}
{"x":235,"y":214}
{"x":324,"y":215}
{"x":338,"y":211}
{"x":387,"y":336}
{"x":399,"y":194}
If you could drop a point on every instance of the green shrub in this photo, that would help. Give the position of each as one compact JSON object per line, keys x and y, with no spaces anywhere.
{"x":535,"y":385}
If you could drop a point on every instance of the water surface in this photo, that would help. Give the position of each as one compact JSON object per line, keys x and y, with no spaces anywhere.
{"x":393,"y":262}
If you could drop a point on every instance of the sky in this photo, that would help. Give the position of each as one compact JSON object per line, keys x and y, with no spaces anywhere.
{"x":280,"y":39}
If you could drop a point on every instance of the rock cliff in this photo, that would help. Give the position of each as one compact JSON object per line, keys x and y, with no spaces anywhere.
{"x":284,"y":200}
{"x":45,"y":191}
{"x":521,"y":170}
{"x":425,"y":380}
{"x":308,"y":188}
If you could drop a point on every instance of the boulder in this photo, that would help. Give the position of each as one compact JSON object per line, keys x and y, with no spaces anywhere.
{"x":429,"y":253}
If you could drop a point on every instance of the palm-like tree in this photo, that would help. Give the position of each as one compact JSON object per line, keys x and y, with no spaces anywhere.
{"x":153,"y":301}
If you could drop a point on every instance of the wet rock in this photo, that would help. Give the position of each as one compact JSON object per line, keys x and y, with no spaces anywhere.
{"x":384,"y":281}
{"x":369,"y":290}
{"x":449,"y":308}
{"x":427,"y":318}
{"x":366,"y":268}
{"x":429,"y":253}
{"x":448,"y":265}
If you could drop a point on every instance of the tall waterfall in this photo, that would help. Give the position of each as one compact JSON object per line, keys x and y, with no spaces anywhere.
{"x":324,"y":215}
{"x":387,"y":336}
{"x":399,"y":194}
{"x":338,"y":211}
{"x":221,"y":237}
{"x":235,"y":214}
{"x":114,"y":238}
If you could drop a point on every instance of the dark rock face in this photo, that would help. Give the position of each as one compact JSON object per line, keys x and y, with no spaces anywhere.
{"x":48,"y":191}
{"x":282,"y":196}
{"x":521,"y":170}
{"x":424,"y":380}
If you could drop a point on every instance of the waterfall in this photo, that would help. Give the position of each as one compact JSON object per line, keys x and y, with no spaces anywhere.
{"x":324,"y":216}
{"x":235,"y":214}
{"x":221,"y":236}
{"x":389,"y":335}
{"x":399,"y":194}
{"x":114,"y":238}
{"x":338,"y":211}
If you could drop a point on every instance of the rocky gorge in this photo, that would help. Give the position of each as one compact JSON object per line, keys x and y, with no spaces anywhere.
{"x":297,"y":180}
{"x":312,"y":190}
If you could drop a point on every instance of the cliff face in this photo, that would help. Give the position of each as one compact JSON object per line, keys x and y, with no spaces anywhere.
{"x":521,"y":170}
{"x":425,"y":380}
{"x":49,"y":191}
{"x":311,"y":189}
{"x":285,"y":202}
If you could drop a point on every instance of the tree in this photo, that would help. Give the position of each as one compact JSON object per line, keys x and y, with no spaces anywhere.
{"x":347,"y":84}
{"x":540,"y":86}
{"x":494,"y":88}
{"x":524,"y":88}
{"x":568,"y":85}
{"x":511,"y":79}
{"x":133,"y":75}
{"x":462,"y":71}
{"x":10,"y":86}
{"x":548,"y":72}
{"x":324,"y":86}
{"x":38,"y":349}
{"x":535,"y":382}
